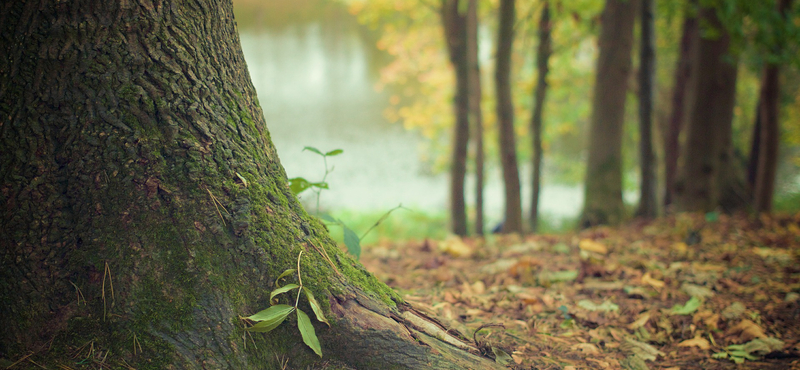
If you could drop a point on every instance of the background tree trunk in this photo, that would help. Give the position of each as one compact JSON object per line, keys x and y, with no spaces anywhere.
{"x":145,"y":208}
{"x":769,"y":138}
{"x":603,"y":191}
{"x":683,"y":73}
{"x":505,"y":119}
{"x":648,"y":205}
{"x":711,"y":113}
{"x":455,"y":32}
{"x":475,"y":112}
{"x":542,"y":58}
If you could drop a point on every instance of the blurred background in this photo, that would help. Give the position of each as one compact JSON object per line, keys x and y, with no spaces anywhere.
{"x":372,"y":78}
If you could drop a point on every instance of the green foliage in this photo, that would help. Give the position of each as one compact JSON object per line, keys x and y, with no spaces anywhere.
{"x":351,"y":240}
{"x":687,"y":309}
{"x":299,"y":184}
{"x":272,"y":317}
{"x":752,"y":350}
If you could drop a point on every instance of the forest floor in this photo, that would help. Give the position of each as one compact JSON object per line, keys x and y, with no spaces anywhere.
{"x":684,"y":292}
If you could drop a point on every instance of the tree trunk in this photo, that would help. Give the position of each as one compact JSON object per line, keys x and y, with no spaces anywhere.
{"x":683,"y":73}
{"x":603,"y":192}
{"x":475,"y":112}
{"x":769,"y":138}
{"x":455,"y":32}
{"x":648,"y":205}
{"x":542,"y":57}
{"x":145,"y":209}
{"x":505,"y":119}
{"x":706,"y":158}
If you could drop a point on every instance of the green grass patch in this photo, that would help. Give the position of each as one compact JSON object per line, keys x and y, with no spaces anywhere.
{"x":787,"y":202}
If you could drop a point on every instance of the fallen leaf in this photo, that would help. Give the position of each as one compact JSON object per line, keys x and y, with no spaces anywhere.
{"x":586,"y":348}
{"x":642,"y":350}
{"x":455,"y":247}
{"x":649,"y":280}
{"x":745,"y":331}
{"x":640,"y":321}
{"x":698,"y":342}
{"x":592,"y":246}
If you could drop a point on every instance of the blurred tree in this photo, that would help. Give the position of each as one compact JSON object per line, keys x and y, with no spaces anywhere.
{"x":603,"y":191}
{"x":512,"y":222}
{"x":683,"y":72}
{"x":542,"y":59}
{"x":475,"y":112}
{"x":768,"y":127}
{"x":648,"y":206}
{"x":706,"y":159}
{"x":454,"y":21}
{"x":144,"y":203}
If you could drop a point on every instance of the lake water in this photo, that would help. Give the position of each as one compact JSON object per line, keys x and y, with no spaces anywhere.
{"x":315,"y":76}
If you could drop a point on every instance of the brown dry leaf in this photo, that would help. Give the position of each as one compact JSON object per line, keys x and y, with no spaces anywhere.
{"x":592,"y":246}
{"x":653,"y":282}
{"x":586,"y":348}
{"x":745,"y":331}
{"x":708,"y":318}
{"x":698,"y":342}
{"x":600,"y":363}
{"x":524,"y":266}
{"x":640,"y":321}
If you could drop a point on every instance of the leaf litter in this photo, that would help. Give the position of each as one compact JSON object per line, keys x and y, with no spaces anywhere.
{"x":682,"y":292}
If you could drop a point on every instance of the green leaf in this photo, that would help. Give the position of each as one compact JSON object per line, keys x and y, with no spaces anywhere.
{"x":316,"y":307}
{"x":690,"y":307}
{"x":313,"y":149}
{"x":334,"y":152}
{"x":270,"y":318}
{"x":501,"y":357}
{"x":352,"y":242}
{"x":720,"y":355}
{"x":307,"y":331}
{"x":282,"y":290}
{"x":320,"y":185}
{"x":327,"y":218}
{"x":298,"y":184}
{"x":284,"y":274}
{"x":744,"y":354}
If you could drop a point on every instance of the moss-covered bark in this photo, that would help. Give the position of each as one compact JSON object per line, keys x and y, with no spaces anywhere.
{"x":145,"y":209}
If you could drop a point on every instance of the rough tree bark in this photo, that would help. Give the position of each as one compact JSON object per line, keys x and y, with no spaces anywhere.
{"x":542,"y":58}
{"x":505,"y":119}
{"x":769,"y":134}
{"x":683,"y":72}
{"x":648,"y":205}
{"x":455,"y":32}
{"x":144,"y":208}
{"x":706,"y":158}
{"x":475,"y":111}
{"x":603,"y":190}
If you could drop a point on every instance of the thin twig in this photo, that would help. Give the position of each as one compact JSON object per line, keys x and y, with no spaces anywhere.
{"x":385,"y":215}
{"x":218,"y":204}
{"x":20,"y":360}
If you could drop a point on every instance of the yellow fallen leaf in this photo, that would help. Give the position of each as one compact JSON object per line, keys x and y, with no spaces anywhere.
{"x":455,"y":247}
{"x":653,"y":282}
{"x":698,"y":342}
{"x":592,"y":246}
{"x":640,"y":321}
{"x":587,"y":348}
